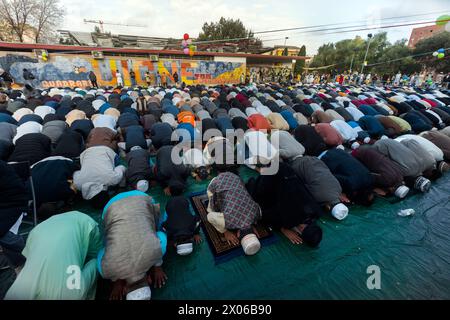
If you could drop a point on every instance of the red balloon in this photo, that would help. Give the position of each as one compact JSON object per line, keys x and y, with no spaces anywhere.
{"x":186,"y":36}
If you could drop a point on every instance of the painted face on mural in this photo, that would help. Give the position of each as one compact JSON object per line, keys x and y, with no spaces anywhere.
{"x":203,"y":67}
{"x":212,"y":68}
{"x":220,"y":68}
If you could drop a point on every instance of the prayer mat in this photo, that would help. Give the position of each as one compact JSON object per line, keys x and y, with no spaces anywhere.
{"x":220,"y":248}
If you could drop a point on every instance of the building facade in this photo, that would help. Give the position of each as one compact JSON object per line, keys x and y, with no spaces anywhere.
{"x":421,"y":33}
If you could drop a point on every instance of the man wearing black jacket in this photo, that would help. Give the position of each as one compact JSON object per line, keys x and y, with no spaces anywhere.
{"x":7,"y":78}
{"x":182,"y":226}
{"x":287,"y":205}
{"x":93,"y":79}
{"x":171,"y":176}
{"x":13,"y":203}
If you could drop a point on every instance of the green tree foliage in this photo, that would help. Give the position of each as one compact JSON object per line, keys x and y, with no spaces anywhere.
{"x":441,"y":40}
{"x":230,"y":29}
{"x":300,"y":64}
{"x":224,"y":29}
{"x":399,"y":59}
{"x":386,"y":58}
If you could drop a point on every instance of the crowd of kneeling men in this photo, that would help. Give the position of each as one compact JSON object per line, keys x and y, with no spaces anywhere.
{"x":317,"y":148}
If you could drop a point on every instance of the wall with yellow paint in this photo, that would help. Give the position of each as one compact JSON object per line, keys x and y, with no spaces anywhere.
{"x":68,"y":70}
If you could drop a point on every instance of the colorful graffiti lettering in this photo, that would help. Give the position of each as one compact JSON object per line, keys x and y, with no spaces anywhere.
{"x":63,"y":70}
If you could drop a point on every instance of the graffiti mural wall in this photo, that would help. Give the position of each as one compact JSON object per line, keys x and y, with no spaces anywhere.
{"x":64,"y":70}
{"x":268,"y":73}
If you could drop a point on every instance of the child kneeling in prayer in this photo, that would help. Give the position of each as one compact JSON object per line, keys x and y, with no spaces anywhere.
{"x":181,"y":225}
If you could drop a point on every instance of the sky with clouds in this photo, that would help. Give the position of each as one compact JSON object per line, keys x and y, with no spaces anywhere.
{"x":173,"y":18}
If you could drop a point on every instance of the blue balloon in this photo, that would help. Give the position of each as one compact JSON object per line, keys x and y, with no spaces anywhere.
{"x":441,"y":50}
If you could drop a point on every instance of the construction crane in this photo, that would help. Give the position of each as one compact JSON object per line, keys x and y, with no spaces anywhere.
{"x":101,"y":23}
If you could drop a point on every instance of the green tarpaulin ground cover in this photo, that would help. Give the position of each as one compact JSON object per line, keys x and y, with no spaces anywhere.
{"x":413,"y":254}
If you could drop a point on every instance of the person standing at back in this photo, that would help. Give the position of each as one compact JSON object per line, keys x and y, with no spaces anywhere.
{"x":148,"y":79}
{"x":93,"y":79}
{"x":133,"y":78}
{"x":158,"y":79}
{"x":119,"y":79}
{"x":175,"y":78}
{"x":164,"y":79}
{"x":6,"y":78}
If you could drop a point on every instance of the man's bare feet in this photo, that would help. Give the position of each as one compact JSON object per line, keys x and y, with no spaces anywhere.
{"x":344,"y":199}
{"x":293,"y":236}
{"x":119,"y":290}
{"x":167,"y":191}
{"x":197,"y":238}
{"x":159,"y":277}
{"x":380,"y":192}
{"x":231,"y":238}
{"x":255,"y":231}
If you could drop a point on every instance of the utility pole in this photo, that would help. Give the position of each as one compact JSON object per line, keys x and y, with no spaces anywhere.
{"x":367,"y":50}
{"x":351,"y":63}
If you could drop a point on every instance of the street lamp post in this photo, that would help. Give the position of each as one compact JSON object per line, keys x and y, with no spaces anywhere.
{"x":367,"y":50}
{"x":351,"y":63}
{"x":293,"y":69}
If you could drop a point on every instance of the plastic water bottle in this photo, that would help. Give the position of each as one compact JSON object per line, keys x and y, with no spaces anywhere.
{"x":406,"y":212}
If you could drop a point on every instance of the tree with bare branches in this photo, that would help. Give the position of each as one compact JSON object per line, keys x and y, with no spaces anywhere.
{"x":47,"y":16}
{"x":17,"y":14}
{"x":35,"y":19}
